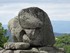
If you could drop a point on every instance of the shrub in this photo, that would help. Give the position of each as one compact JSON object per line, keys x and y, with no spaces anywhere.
{"x":3,"y":38}
{"x":63,"y":42}
{"x":67,"y":48}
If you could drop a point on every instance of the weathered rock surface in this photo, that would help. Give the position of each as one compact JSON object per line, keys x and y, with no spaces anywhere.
{"x":26,"y":39}
{"x":35,"y":50}
{"x":36,"y":18}
{"x":6,"y":51}
{"x":16,"y":45}
{"x":2,"y":50}
{"x":18,"y":51}
{"x":51,"y":50}
{"x":43,"y":52}
{"x":15,"y":29}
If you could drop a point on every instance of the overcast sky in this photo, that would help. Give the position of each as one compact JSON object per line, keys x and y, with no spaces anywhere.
{"x":58,"y":10}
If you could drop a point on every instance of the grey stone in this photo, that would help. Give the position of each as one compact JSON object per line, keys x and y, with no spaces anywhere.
{"x":15,"y":29}
{"x":32,"y":25}
{"x":32,"y":33}
{"x":26,"y":39}
{"x":51,"y":50}
{"x":46,"y":48}
{"x":29,"y":21}
{"x":16,"y":45}
{"x":43,"y":52}
{"x":60,"y":50}
{"x":25,"y":51}
{"x":8,"y":51}
{"x":1,"y":51}
{"x":34,"y":49}
{"x":37,"y":20}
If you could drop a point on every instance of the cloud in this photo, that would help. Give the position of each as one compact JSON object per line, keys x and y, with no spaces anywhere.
{"x":35,"y":1}
{"x":59,"y":11}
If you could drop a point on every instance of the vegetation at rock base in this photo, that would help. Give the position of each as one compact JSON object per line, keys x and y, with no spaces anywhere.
{"x":3,"y":38}
{"x":63,"y":42}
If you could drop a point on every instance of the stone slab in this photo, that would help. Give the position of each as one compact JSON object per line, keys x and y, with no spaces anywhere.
{"x":16,"y":45}
{"x":25,"y":51}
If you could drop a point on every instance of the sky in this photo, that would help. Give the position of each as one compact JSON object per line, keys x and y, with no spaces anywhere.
{"x":57,"y":10}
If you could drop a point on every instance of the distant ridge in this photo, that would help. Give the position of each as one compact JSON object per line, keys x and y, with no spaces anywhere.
{"x":58,"y":34}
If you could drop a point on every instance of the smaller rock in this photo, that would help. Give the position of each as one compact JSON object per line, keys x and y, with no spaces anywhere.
{"x":26,"y":39}
{"x":43,"y":52}
{"x":46,"y":48}
{"x":1,"y":48}
{"x":25,"y":51}
{"x":1,"y":51}
{"x":34,"y":49}
{"x":16,"y":45}
{"x":51,"y":50}
{"x":8,"y":51}
{"x":61,"y":50}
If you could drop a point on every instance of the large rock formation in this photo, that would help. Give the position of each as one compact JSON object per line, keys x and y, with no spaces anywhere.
{"x":37,"y":26}
{"x":32,"y":33}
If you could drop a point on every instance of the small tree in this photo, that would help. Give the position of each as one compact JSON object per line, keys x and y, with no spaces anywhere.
{"x":3,"y":39}
{"x":63,"y":42}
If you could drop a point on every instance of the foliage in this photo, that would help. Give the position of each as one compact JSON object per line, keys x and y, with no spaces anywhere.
{"x":63,"y":42}
{"x":67,"y":48}
{"x":3,"y":38}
